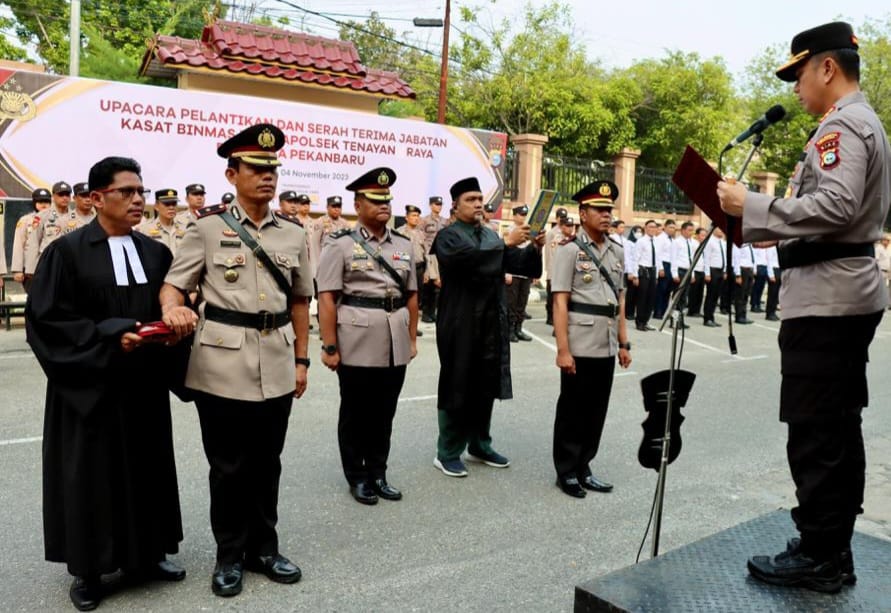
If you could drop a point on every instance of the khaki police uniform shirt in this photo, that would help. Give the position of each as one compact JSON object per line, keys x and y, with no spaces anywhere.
{"x":233,"y":361}
{"x":185,"y":217}
{"x":170,"y":235}
{"x":590,"y":336}
{"x":417,"y":236}
{"x":23,"y":229}
{"x":840,"y":192}
{"x":552,"y":240}
{"x":369,"y":336}
{"x":53,"y":224}
{"x":430,"y":226}
{"x":321,"y":228}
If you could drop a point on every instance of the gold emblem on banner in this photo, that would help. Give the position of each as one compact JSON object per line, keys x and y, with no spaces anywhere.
{"x":16,"y":105}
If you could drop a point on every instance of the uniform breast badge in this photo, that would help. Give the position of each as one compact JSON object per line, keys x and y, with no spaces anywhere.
{"x":231,"y":275}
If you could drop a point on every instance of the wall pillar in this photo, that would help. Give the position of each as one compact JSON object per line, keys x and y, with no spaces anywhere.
{"x":624,"y":165}
{"x":530,"y":148}
{"x":766,"y":181}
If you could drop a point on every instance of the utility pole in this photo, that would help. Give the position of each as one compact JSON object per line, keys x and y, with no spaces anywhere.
{"x":444,"y":70}
{"x":74,"y":36}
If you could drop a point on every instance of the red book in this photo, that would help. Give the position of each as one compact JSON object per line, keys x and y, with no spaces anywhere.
{"x":700,"y":182}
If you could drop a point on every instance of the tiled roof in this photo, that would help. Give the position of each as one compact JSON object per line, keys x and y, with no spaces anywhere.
{"x":272,"y":53}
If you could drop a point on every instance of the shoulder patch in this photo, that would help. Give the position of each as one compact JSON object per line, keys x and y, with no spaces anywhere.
{"x":828,"y":140}
{"x":214,"y":209}
{"x":283,"y":217}
{"x":340,"y":233}
{"x":399,"y":233}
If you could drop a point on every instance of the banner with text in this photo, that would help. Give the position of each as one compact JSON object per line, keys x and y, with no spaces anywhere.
{"x":55,"y":128}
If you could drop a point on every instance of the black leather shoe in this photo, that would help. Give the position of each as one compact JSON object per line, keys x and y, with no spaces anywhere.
{"x":427,"y":319}
{"x":363,"y":493}
{"x":757,"y":309}
{"x":743,"y":321}
{"x":277,"y":568}
{"x":772,"y":317}
{"x":571,"y":487}
{"x":795,"y":569}
{"x":513,"y":337}
{"x":228,"y":579}
{"x":596,"y":485}
{"x":86,"y":594}
{"x":846,"y":560}
{"x":711,"y":324}
{"x":522,"y":335}
{"x":385,"y":490}
{"x":165,"y":570}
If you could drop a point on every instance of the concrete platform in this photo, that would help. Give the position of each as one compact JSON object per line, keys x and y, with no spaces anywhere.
{"x":711,"y":575}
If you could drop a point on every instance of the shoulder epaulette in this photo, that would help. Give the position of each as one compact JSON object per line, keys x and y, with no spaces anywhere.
{"x":398,"y":233}
{"x":615,"y":242}
{"x":341,"y":233}
{"x":284,"y":217}
{"x":213,"y":209}
{"x":568,"y":240}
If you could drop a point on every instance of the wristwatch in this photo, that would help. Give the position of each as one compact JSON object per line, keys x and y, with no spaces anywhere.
{"x":329,"y":349}
{"x":304,"y":361}
{"x":625,"y":346}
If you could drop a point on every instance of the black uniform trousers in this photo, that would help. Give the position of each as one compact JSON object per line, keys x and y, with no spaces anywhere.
{"x":822,"y":396}
{"x":714,"y":293}
{"x":696,"y":292}
{"x":581,"y":413}
{"x":517,"y":299}
{"x":368,"y":398}
{"x":664,"y":286}
{"x":243,"y":441}
{"x":429,"y":299}
{"x":773,"y":293}
{"x":631,"y":293}
{"x":549,"y":304}
{"x":741,"y":292}
{"x":758,"y":284}
{"x":682,"y":303}
{"x":646,"y":294}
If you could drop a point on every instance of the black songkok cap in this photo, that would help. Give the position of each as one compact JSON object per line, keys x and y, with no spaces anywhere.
{"x":470,"y":184}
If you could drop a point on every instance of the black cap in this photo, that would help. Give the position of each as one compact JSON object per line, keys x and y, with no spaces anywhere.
{"x":60,"y":187}
{"x":470,"y":184}
{"x":410,"y":208}
{"x":828,"y":37}
{"x":227,"y":198}
{"x":435,"y":199}
{"x":566,"y":220}
{"x":600,"y":193}
{"x":561,"y":212}
{"x":289,"y":195}
{"x":520,"y":210}
{"x":375,"y":184}
{"x":255,"y":145}
{"x":41,"y":194}
{"x":335,"y":201}
{"x":166,"y":196}
{"x":489,"y":207}
{"x":303,"y":199}
{"x":195,"y":188}
{"x":81,"y":189}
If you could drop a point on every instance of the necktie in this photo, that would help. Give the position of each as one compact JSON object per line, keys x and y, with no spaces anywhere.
{"x":752,"y":255}
{"x":653,"y":250}
{"x":721,"y":249}
{"x":689,"y":255}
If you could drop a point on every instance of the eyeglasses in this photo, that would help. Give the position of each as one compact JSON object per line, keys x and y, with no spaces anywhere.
{"x":126,"y":193}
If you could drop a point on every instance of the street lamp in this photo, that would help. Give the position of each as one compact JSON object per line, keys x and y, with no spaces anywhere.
{"x":444,"y":69}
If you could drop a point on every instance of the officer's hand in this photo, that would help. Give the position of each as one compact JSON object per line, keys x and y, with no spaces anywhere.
{"x":661,"y":273}
{"x":181,"y":319}
{"x":517,"y":236}
{"x":437,"y":282}
{"x":772,"y":279}
{"x":539,"y":240}
{"x":678,"y":279}
{"x":739,"y":280}
{"x":708,"y":278}
{"x":414,"y":350}
{"x":765,"y":244}
{"x":301,"y":381}
{"x":18,"y":277}
{"x":635,"y":281}
{"x":624,"y":358}
{"x":566,"y":362}
{"x":130,"y":341}
{"x":508,"y":278}
{"x":426,"y":278}
{"x":332,"y":361}
{"x":732,"y":195}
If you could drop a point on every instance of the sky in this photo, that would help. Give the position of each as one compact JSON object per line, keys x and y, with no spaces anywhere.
{"x":619,"y":32}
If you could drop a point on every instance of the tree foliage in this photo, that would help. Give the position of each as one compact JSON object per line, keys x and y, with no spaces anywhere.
{"x":10,"y":48}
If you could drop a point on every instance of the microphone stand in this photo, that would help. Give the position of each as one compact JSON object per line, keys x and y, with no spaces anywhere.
{"x":676,"y":316}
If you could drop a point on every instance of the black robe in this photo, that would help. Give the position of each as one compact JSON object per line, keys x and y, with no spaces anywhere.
{"x":110,"y":496}
{"x":472,"y":324}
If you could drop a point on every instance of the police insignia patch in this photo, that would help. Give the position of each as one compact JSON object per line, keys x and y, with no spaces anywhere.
{"x":829,"y":159}
{"x":827,"y":147}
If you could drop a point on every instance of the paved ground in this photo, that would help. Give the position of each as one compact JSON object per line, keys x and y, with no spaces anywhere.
{"x":499,"y":540}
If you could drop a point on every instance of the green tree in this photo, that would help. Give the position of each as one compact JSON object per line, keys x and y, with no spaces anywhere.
{"x":381,"y":48}
{"x":9,"y":43}
{"x":875,"y":54}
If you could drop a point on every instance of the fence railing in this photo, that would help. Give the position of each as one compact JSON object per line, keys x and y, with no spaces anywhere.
{"x":568,"y":175}
{"x":655,"y":192}
{"x":511,"y":175}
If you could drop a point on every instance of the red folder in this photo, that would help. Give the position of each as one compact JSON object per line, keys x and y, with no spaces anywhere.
{"x":699,"y":181}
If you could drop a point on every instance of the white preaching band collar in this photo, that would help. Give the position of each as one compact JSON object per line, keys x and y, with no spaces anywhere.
{"x":119,"y":245}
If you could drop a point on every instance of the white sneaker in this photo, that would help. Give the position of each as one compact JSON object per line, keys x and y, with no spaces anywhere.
{"x":452,"y":468}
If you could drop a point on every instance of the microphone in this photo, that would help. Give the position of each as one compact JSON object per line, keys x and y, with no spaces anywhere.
{"x":773,"y":115}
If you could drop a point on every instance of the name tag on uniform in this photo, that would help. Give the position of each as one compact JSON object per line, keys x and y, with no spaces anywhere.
{"x":230,"y":243}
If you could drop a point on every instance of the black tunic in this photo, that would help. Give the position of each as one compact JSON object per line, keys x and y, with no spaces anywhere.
{"x":471,"y":325}
{"x":110,"y":496}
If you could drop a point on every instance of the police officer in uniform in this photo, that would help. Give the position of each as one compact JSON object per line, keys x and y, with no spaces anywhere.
{"x":833,"y":299}
{"x":368,"y":314}
{"x":489,"y":217}
{"x":431,"y":225}
{"x":167,"y":227}
{"x":57,"y":222}
{"x":249,"y":357}
{"x":413,"y":230}
{"x":330,"y":222}
{"x":552,"y":240}
{"x":195,"y":195}
{"x":24,"y":227}
{"x":227,"y":198}
{"x":589,"y":322}
{"x":518,"y":285}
